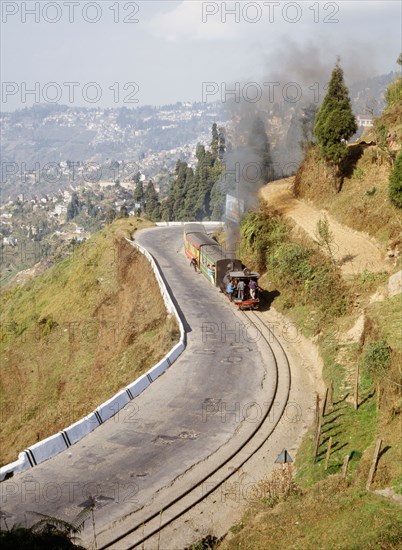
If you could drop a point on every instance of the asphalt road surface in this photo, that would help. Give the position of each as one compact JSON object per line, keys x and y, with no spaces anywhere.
{"x":170,"y":427}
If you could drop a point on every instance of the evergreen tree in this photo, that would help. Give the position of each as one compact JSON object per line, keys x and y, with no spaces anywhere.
{"x":92,"y":210}
{"x":259,"y":144}
{"x":136,"y":178}
{"x":73,"y":208}
{"x":152,"y":208}
{"x":166,"y":209}
{"x":201,"y":173}
{"x":123,"y":211}
{"x":221,"y":143}
{"x":190,"y":195}
{"x":335,"y":122}
{"x":218,"y":198}
{"x":139,"y":192}
{"x":307,"y":120}
{"x":110,"y":216}
{"x":395,"y":182}
{"x":215,"y":140}
{"x":178,"y":189}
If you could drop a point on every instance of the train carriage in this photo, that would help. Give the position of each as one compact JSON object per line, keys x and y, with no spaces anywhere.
{"x":195,"y":237}
{"x":214,"y":263}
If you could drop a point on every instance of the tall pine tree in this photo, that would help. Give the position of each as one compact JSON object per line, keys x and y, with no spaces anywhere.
{"x":152,"y":207}
{"x":139,"y":192}
{"x":74,"y":207}
{"x":259,"y":144}
{"x":335,"y":122}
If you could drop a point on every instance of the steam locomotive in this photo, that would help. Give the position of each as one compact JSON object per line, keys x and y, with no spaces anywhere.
{"x":215,"y":263}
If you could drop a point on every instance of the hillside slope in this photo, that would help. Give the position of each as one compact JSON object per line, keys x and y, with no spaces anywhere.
{"x":322,"y":505}
{"x":354,"y":251}
{"x":76,"y":334}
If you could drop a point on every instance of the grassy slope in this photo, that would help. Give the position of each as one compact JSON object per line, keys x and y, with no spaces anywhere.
{"x":363,"y":201}
{"x":75,"y":335}
{"x":330,"y":516}
{"x":330,"y":513}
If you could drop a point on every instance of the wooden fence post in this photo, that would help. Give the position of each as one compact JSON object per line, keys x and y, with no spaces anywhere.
{"x":345,"y":466}
{"x":331,"y":394}
{"x":378,"y":396}
{"x":324,"y":405}
{"x":317,"y":441}
{"x":328,"y":452}
{"x":317,"y":415}
{"x":373,"y":464}
{"x":357,"y":388}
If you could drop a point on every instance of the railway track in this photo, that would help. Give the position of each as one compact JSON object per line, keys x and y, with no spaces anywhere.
{"x":149,"y":522}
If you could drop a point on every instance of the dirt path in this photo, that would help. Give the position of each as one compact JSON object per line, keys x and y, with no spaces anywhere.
{"x":354,"y":251}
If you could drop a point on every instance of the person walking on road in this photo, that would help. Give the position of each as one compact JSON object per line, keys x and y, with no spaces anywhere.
{"x":193,"y":263}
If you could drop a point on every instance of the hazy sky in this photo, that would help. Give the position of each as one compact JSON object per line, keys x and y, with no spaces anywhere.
{"x":112,"y":53}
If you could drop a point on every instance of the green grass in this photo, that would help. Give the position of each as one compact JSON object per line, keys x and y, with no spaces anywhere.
{"x":388,"y":316}
{"x":351,"y":432}
{"x":328,"y":516}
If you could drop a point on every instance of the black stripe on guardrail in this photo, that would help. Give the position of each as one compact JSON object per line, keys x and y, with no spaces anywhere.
{"x":98,"y":417}
{"x":169,"y":362}
{"x":131,"y":396}
{"x":149,"y":378}
{"x":31,"y":457}
{"x":66,"y":439}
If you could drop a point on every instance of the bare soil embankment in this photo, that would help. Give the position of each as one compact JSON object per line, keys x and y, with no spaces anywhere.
{"x":355,"y":252}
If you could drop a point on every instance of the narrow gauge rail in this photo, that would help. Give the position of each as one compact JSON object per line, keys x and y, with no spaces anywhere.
{"x":188,"y":499}
{"x":219,"y":267}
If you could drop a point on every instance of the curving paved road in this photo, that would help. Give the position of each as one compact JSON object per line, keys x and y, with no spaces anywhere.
{"x":189,"y":413}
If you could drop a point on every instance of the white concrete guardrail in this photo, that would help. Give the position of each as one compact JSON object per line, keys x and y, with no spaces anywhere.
{"x":175,"y":224}
{"x":55,"y":444}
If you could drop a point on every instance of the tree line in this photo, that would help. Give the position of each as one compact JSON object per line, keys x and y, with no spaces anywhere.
{"x":194,"y":194}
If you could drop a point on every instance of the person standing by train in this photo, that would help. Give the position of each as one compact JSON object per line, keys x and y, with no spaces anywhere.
{"x":230,"y":288}
{"x":240,"y":290}
{"x":252,"y":285}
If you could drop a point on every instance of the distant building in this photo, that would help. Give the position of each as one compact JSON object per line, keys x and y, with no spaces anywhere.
{"x":10,"y":241}
{"x":364,"y":121}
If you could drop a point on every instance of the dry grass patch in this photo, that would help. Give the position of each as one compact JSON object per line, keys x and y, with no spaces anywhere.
{"x":76,"y":335}
{"x":328,"y":516}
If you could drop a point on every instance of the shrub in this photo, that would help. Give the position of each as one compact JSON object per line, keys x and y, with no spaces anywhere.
{"x":376,"y":359}
{"x":393,"y":94}
{"x":358,"y":173}
{"x":308,"y":276}
{"x":395,"y":182}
